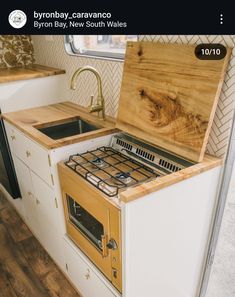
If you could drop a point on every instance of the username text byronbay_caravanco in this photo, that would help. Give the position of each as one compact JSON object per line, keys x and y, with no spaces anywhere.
{"x":75,"y":19}
{"x":73,"y":15}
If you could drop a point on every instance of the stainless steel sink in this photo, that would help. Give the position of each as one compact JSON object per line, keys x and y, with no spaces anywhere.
{"x":71,"y":127}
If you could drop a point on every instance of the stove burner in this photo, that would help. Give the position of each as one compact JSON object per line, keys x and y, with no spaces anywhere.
{"x":109,"y":171}
{"x":124,"y":177}
{"x":99,"y":162}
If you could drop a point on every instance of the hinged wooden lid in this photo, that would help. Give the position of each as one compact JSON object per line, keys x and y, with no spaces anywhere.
{"x":169,"y":96}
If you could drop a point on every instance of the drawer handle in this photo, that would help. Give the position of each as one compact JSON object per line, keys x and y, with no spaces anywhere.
{"x":28,"y":154}
{"x":87,"y":275}
{"x":29,"y":193}
{"x":13,"y":137}
{"x":37,"y":201}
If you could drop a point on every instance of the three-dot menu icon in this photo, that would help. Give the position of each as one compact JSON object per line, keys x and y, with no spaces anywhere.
{"x":221,"y":19}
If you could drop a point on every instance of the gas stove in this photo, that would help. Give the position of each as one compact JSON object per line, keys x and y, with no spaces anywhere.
{"x":127,"y":162}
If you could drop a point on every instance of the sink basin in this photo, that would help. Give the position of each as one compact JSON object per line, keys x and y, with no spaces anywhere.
{"x":71,"y":127}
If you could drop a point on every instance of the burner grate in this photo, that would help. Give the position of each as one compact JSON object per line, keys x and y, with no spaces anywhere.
{"x":109,"y":170}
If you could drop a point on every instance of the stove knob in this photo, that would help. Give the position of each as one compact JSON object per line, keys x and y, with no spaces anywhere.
{"x":112,"y":245}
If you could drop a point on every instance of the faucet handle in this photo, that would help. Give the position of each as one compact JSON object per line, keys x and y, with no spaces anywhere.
{"x":92,"y":98}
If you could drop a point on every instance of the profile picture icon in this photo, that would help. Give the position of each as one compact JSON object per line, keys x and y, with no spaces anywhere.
{"x":17,"y":19}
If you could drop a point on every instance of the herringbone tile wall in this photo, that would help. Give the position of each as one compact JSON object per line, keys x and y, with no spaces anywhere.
{"x":50,"y":51}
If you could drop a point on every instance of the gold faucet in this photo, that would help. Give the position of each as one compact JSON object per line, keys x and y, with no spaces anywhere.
{"x":99,"y":106}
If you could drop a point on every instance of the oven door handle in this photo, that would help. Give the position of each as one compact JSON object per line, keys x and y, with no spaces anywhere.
{"x":104,"y":240}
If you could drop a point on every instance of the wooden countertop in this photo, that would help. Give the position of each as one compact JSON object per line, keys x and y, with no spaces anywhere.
{"x":28,"y":72}
{"x":131,"y":194}
{"x":27,"y":120}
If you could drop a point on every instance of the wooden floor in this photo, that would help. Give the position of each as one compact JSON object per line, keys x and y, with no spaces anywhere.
{"x":26,"y":270}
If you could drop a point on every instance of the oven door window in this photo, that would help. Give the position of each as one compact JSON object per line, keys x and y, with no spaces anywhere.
{"x":85,"y":222}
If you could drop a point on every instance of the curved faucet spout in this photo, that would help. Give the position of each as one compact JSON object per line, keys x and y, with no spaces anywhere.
{"x":99,"y":106}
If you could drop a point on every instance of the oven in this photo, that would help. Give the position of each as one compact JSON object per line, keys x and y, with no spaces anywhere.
{"x":93,"y":223}
{"x":91,"y":183}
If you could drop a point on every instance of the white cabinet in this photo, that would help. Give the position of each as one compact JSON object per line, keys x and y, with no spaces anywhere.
{"x":40,"y":210}
{"x":83,"y":275}
{"x":27,"y":192}
{"x":30,"y":152}
{"x":48,"y":229}
{"x":28,"y":93}
{"x":40,"y":206}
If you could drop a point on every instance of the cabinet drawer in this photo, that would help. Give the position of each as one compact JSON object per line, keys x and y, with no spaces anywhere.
{"x":82,"y":275}
{"x":31,"y":153}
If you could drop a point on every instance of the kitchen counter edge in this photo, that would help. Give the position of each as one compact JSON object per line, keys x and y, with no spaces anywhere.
{"x":27,"y":72}
{"x":23,"y":121}
{"x":26,"y":120}
{"x":208,"y":163}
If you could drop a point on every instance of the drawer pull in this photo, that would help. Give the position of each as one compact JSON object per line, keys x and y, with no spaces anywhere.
{"x":37,"y":201}
{"x":13,"y":137}
{"x":29,"y":193}
{"x":87,"y":275}
{"x":28,"y":154}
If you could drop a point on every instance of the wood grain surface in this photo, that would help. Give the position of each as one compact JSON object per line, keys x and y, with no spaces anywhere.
{"x":6,"y":289}
{"x":159,"y":183}
{"x":168,"y":96}
{"x":28,"y":72}
{"x":15,"y":267}
{"x":29,"y":119}
{"x":15,"y":226}
{"x":26,"y":270}
{"x":45,"y":269}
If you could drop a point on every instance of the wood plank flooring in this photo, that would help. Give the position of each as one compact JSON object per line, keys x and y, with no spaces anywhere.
{"x":26,"y":270}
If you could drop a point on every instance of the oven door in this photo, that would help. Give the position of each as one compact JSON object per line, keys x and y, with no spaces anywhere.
{"x":93,"y":223}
